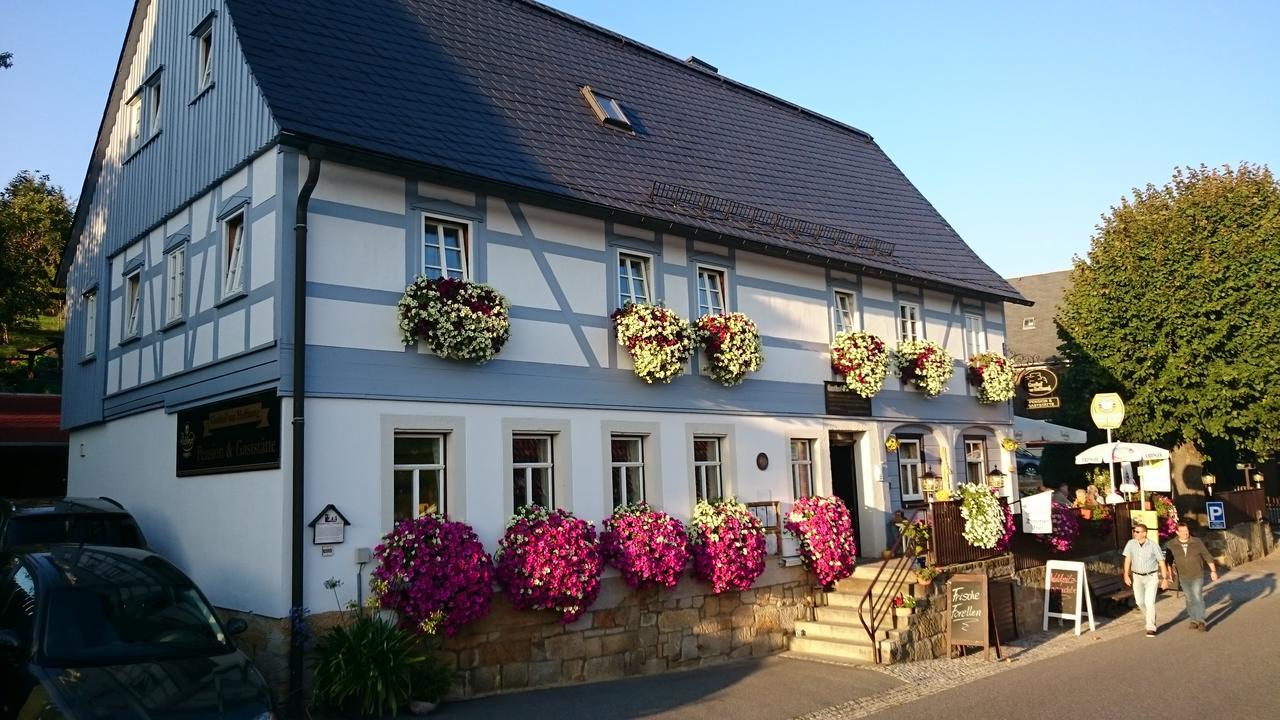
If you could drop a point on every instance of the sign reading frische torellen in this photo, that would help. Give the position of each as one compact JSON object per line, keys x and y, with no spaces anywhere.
{"x":230,"y":435}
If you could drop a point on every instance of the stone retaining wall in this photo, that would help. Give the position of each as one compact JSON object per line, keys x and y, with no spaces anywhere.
{"x":627,"y":633}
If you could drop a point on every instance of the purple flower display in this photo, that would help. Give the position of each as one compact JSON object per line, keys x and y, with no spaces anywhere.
{"x":648,"y":546}
{"x":825,"y":531}
{"x":1167,"y":515}
{"x":434,"y":572}
{"x":550,"y":560}
{"x":1010,"y":527}
{"x":728,"y":545}
{"x":1066,"y":527}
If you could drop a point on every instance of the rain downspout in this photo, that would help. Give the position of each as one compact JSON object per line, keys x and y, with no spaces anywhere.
{"x":299,"y":425}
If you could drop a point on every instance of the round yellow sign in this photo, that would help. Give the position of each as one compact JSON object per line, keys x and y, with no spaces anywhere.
{"x":1107,"y":410}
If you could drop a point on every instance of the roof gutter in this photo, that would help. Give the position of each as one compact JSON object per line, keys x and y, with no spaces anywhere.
{"x":297,"y":524}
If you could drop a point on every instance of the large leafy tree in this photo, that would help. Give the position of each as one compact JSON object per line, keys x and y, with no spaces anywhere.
{"x":35,"y":219}
{"x":1177,"y":309}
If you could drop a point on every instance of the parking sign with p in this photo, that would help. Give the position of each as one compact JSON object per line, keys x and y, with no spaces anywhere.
{"x":1217,"y":513}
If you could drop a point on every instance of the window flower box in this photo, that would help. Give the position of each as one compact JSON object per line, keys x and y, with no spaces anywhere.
{"x":991,"y":374}
{"x":923,"y":364}
{"x":731,"y":343}
{"x":863,"y":360}
{"x":658,"y":340}
{"x":457,"y":319}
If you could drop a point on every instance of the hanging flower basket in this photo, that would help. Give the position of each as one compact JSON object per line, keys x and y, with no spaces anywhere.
{"x":731,"y":343}
{"x":728,"y":545}
{"x":891,"y":443}
{"x":992,"y":375}
{"x":863,"y":360}
{"x":984,"y":522}
{"x":825,"y":531}
{"x":658,"y":340}
{"x":457,"y":319}
{"x":925,"y":364}
{"x":648,"y":546}
{"x":549,"y":560}
{"x":434,"y":573}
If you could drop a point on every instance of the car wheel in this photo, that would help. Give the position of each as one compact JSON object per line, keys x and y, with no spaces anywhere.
{"x":1031,"y":471}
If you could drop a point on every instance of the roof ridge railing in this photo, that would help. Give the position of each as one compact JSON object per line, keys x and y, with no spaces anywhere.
{"x":696,"y":202}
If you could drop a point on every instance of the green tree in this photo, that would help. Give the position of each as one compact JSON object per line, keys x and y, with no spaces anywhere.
{"x":6,"y":59}
{"x":1177,"y":309}
{"x":35,"y":220}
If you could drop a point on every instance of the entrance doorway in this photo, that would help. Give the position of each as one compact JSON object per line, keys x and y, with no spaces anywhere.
{"x":844,"y":476}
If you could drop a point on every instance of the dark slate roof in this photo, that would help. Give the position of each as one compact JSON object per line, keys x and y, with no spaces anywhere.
{"x":491,"y":89}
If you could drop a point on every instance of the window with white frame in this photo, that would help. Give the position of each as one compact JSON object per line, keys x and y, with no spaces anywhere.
{"x":418,"y":475}
{"x":153,"y":105}
{"x":633,"y":279}
{"x":845,"y":312}
{"x":132,"y":304}
{"x":909,"y":469}
{"x":233,"y":254}
{"x":445,"y":249}
{"x":710,"y":291}
{"x":975,"y":335}
{"x":90,"y":322}
{"x":532,"y":471}
{"x":802,"y":467}
{"x":1029,"y":323}
{"x":908,"y":321}
{"x":975,"y":460}
{"x":133,"y":121}
{"x":175,"y":278}
{"x":626,"y":469}
{"x":707,"y":468}
{"x":204,"y":55}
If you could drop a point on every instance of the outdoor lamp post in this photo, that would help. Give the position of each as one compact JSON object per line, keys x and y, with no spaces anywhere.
{"x":1258,"y":479}
{"x":1209,"y":480}
{"x":995,"y":479}
{"x":929,"y":482}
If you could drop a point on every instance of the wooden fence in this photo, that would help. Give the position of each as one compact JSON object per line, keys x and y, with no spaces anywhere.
{"x":1243,"y":505}
{"x":948,"y":546}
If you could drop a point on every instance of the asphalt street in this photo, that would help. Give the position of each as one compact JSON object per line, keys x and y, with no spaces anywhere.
{"x":1115,"y":672}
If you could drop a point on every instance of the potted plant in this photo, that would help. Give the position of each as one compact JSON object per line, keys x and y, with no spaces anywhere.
{"x":926,"y":574}
{"x":924,"y":365}
{"x":983,"y":517}
{"x":915,"y":536}
{"x":658,"y":340}
{"x":992,"y":375}
{"x":731,"y":343}
{"x":904,"y":606}
{"x":863,"y":360}
{"x":549,"y":560}
{"x":825,"y":531}
{"x":366,"y":667}
{"x":457,"y":319}
{"x":728,"y":545}
{"x":649,"y":547}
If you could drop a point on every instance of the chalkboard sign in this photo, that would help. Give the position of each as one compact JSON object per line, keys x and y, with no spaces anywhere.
{"x":1066,"y":593}
{"x":969,"y":620}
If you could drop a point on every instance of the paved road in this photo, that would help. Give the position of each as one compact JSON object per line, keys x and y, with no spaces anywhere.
{"x":1114,"y":672}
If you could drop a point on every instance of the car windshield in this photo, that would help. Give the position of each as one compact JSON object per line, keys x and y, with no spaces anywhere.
{"x":51,"y":528}
{"x":124,"y":623}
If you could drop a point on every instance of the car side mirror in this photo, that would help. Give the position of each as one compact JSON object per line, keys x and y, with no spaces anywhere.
{"x":235,"y":626}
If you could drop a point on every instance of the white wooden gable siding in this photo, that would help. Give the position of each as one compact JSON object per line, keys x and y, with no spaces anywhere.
{"x":203,"y":138}
{"x":559,"y":272}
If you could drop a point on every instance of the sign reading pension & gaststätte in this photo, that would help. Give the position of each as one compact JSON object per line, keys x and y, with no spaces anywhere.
{"x":230,"y":435}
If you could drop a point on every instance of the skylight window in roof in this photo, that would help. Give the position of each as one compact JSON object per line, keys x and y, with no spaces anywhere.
{"x":607,"y":109}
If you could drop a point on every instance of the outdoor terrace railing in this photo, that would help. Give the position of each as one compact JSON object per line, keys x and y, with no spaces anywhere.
{"x":948,"y":546}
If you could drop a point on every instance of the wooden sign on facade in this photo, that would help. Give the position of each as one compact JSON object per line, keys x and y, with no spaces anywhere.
{"x":969,"y":618}
{"x":1066,"y":592}
{"x":230,"y":436}
{"x":844,"y":402}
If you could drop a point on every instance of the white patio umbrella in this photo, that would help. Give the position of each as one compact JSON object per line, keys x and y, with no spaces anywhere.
{"x":1113,"y":452}
{"x":1120,"y":452}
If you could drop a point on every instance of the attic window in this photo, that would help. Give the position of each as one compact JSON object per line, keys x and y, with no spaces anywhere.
{"x":1029,"y":323}
{"x":607,"y":109}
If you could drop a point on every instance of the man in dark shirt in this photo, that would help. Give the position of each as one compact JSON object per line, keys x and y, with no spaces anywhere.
{"x":1189,"y":560}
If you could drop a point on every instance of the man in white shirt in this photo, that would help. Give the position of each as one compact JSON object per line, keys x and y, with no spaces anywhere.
{"x":1143,"y":559}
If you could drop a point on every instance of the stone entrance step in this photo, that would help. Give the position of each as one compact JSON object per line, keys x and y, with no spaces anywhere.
{"x":836,"y":650}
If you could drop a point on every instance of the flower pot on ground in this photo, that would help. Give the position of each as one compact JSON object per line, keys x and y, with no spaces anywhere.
{"x":1086,"y":513}
{"x":903,"y":612}
{"x":731,"y":343}
{"x":926,"y":574}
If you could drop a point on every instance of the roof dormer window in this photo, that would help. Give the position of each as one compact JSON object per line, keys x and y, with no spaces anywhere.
{"x":607,"y":109}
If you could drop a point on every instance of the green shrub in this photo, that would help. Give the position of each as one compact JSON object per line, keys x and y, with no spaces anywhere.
{"x":370,"y":668}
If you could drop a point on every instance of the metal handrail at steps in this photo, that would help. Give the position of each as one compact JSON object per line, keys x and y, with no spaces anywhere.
{"x":872,"y":610}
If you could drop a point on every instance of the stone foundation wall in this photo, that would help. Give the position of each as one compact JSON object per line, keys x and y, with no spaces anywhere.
{"x":627,"y":633}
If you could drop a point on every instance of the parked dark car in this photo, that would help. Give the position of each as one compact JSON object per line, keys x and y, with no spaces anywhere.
{"x":42,"y":523}
{"x":100,"y":632}
{"x":1028,"y":464}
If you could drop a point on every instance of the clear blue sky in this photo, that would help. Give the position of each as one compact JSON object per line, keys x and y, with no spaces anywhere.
{"x":1022,"y":122}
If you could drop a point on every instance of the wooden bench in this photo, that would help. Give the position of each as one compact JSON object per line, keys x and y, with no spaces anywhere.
{"x":1109,"y":591}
